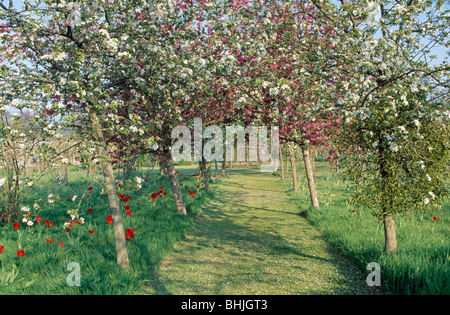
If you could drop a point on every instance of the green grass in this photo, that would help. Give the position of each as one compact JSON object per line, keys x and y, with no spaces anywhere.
{"x":251,"y":240}
{"x":421,"y":265}
{"x":44,"y":268}
{"x":253,"y":237}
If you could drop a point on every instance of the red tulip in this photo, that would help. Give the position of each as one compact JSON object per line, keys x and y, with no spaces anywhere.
{"x":2,"y":248}
{"x":435,"y":219}
{"x":20,"y":253}
{"x":90,"y":188}
{"x":130,"y":234}
{"x":91,"y":231}
{"x":38,"y":219}
{"x":127,"y":208}
{"x":122,"y":196}
{"x":16,"y":225}
{"x":128,"y":212}
{"x":90,"y":211}
{"x":192,"y":193}
{"x":60,"y":244}
{"x":50,"y":240}
{"x":67,"y":229}
{"x":109,"y":219}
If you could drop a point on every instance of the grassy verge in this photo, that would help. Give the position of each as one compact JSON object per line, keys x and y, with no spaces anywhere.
{"x":44,"y":268}
{"x":421,"y":265}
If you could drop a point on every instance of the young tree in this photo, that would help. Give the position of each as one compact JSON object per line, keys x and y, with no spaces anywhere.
{"x":394,"y":112}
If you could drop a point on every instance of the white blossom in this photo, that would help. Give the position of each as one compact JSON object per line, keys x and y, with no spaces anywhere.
{"x":25,"y":209}
{"x":393,"y":147}
{"x":432,"y":195}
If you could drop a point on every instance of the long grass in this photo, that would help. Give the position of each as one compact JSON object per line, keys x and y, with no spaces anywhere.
{"x":44,"y":268}
{"x":421,"y":265}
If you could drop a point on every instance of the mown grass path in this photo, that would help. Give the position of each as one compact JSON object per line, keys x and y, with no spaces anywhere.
{"x":250,"y":239}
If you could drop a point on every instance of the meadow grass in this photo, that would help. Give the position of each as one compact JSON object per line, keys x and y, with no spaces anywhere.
{"x":249,"y":239}
{"x":44,"y":268}
{"x":421,"y":265}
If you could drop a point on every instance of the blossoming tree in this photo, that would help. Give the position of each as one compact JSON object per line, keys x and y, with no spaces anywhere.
{"x":394,"y":112}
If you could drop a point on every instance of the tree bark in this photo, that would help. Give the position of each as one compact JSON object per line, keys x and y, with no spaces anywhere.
{"x":161,"y":168}
{"x":282,"y":166}
{"x":287,"y":166}
{"x":173,"y":178}
{"x":129,"y":168}
{"x":205,"y":174}
{"x":310,"y":177}
{"x":200,"y":167}
{"x":224,"y":165}
{"x":294,"y":170}
{"x":217,"y":172}
{"x":390,"y":236}
{"x":113,"y":199}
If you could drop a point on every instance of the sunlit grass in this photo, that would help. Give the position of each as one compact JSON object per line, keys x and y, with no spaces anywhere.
{"x":43,"y":270}
{"x":250,"y":239}
{"x":421,"y":265}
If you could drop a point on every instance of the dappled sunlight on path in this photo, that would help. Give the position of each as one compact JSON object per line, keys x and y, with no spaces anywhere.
{"x":251,"y":239}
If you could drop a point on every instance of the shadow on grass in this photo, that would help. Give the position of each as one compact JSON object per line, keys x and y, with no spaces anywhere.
{"x":229,"y":227}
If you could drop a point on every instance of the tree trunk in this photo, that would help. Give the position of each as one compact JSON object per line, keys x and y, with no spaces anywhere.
{"x":224,"y":165}
{"x":161,"y":168}
{"x":294,"y":170}
{"x":205,"y":174}
{"x":390,"y":235}
{"x":66,"y":174}
{"x":310,"y":176}
{"x":287,"y":166}
{"x":113,"y":199}
{"x":200,"y":167}
{"x":247,"y":155}
{"x":127,"y":172}
{"x":217,"y":172}
{"x":282,"y":166}
{"x":173,"y":178}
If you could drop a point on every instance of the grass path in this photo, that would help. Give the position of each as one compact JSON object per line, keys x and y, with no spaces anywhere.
{"x":250,"y":239}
